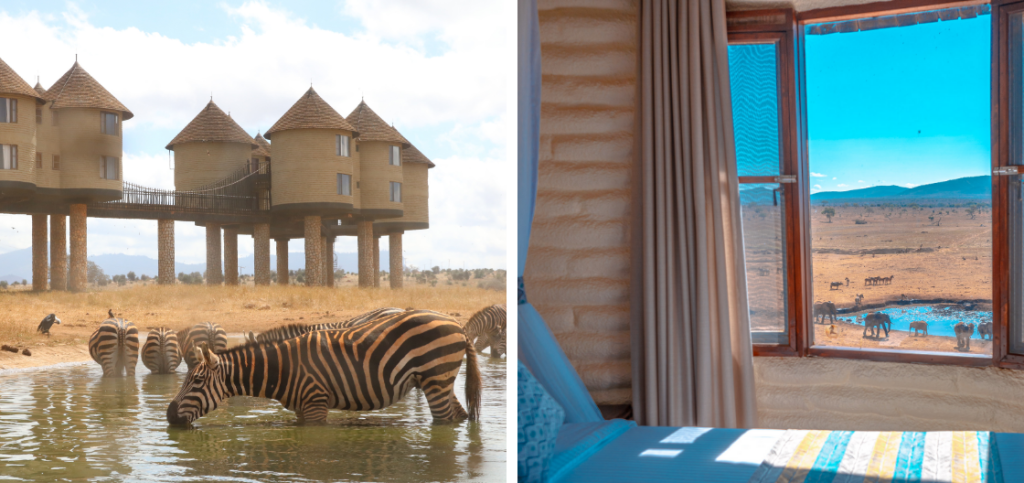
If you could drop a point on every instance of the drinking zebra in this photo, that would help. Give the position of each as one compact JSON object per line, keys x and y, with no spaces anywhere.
{"x":370,"y":366}
{"x":290,"y":331}
{"x":487,"y":328}
{"x":115,"y":346}
{"x":160,"y":353}
{"x":204,"y":332}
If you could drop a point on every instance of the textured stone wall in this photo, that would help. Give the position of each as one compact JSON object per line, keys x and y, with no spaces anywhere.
{"x":329,"y":262}
{"x":231,"y":255}
{"x":376,"y":176}
{"x":58,"y":252}
{"x":396,"y":272}
{"x":314,"y":249}
{"x":577,"y":272}
{"x":826,"y":393}
{"x":81,"y":147}
{"x":282,"y":261}
{"x":48,"y":144}
{"x":77,"y":276}
{"x":40,"y":259}
{"x":213,"y":274}
{"x":165,"y":252}
{"x":306,"y":168}
{"x":364,"y":240}
{"x":200,"y":164}
{"x":261,"y":253}
{"x":376,"y":261}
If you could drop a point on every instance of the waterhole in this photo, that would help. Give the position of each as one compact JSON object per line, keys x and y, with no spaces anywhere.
{"x":67,"y":423}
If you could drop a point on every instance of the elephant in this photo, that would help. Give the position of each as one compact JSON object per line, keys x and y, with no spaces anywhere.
{"x":825,"y":309}
{"x":876,"y":321}
{"x":964,"y":332}
{"x":985,"y":328}
{"x":919,"y":326}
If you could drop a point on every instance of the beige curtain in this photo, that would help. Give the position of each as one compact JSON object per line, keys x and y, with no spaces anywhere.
{"x":692,"y":361}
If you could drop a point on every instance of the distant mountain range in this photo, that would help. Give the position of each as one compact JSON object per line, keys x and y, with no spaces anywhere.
{"x":16,"y":266}
{"x":973,"y":188}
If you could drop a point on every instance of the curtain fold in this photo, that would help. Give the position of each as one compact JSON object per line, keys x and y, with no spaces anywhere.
{"x":538,"y":349}
{"x":690,"y":329}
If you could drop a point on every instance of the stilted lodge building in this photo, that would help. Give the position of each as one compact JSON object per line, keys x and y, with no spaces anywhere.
{"x":324,"y":176}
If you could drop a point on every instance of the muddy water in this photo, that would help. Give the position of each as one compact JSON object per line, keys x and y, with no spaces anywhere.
{"x":67,"y":423}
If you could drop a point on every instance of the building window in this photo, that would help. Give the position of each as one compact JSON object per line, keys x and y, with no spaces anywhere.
{"x":342,"y":144}
{"x":108,"y":167}
{"x":56,"y":162}
{"x":8,"y":110}
{"x":8,"y":156}
{"x":396,"y":192}
{"x":108,"y":123}
{"x":39,"y":160}
{"x":396,"y":156}
{"x":39,"y":115}
{"x":344,"y":184}
{"x":254,"y":165}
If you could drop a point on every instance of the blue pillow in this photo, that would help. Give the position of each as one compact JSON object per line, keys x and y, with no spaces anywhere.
{"x":539,"y":419}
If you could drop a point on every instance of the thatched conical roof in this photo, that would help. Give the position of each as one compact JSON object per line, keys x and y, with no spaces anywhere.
{"x":311,"y":112}
{"x":12,"y":83}
{"x":212,"y":125}
{"x":40,"y":89}
{"x":372,"y":128}
{"x":413,"y":155}
{"x":76,"y":88}
{"x":263,"y":146}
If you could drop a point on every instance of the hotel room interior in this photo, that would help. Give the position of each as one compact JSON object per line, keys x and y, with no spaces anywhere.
{"x":707,"y":291}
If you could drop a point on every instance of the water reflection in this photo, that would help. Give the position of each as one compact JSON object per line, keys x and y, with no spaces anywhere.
{"x":70,"y":423}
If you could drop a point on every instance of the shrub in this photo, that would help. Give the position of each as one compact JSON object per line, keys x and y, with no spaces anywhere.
{"x":861,"y":222}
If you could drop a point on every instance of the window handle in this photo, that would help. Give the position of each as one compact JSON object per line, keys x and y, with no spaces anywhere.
{"x":1006,"y":171}
{"x":785,"y":178}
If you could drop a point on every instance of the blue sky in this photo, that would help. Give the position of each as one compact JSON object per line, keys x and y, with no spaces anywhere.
{"x":433,"y":68}
{"x":899,"y":106}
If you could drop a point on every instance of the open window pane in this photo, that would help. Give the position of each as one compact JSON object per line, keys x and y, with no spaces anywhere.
{"x":764,"y":243}
{"x":898,"y":121}
{"x":1015,"y":37}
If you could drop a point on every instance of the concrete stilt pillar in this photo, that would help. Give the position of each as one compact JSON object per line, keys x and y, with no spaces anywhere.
{"x":77,"y":275}
{"x":364,"y":235}
{"x":231,"y":255}
{"x":261,"y":253}
{"x":40,"y":260}
{"x":282,"y":261}
{"x":376,"y":261}
{"x":165,"y":252}
{"x":58,"y":252}
{"x":213,"y":273}
{"x":314,"y":249}
{"x":329,"y":262}
{"x":396,"y":273}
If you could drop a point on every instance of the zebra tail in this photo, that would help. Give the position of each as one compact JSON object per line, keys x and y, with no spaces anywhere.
{"x":119,"y":351}
{"x":473,"y":383}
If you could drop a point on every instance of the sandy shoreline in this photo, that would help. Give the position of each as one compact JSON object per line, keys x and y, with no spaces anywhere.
{"x":851,"y":335}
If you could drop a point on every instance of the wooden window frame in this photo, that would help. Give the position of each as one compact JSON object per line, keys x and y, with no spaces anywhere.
{"x":39,"y":160}
{"x":55,"y":162}
{"x":103,"y":123}
{"x":788,"y":27}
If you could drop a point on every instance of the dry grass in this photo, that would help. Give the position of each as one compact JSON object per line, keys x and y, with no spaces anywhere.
{"x":237,"y":309}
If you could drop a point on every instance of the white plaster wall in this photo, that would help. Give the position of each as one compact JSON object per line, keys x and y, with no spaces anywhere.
{"x":825,"y":393}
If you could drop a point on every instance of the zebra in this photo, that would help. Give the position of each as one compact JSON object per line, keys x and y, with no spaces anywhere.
{"x":289,"y":331}
{"x":211,"y":333}
{"x":160,"y":353}
{"x":487,"y":328}
{"x":115,"y":347}
{"x":366,"y":367}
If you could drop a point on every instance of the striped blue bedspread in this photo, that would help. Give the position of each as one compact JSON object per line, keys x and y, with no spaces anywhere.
{"x":873,"y":456}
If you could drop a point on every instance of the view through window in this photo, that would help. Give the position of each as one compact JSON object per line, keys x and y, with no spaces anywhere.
{"x":898,"y":121}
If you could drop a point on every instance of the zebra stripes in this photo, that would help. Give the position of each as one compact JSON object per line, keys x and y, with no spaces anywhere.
{"x":487,"y":328}
{"x":209,"y":333}
{"x":115,"y":347}
{"x":160,"y":353}
{"x":366,"y":367}
{"x":290,"y":331}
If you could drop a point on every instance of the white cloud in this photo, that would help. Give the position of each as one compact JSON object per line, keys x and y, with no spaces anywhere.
{"x":841,"y":185}
{"x":817,"y":186}
{"x":433,"y":67}
{"x":833,"y":178}
{"x":860,"y":181}
{"x":910,"y":185}
{"x":817,"y":175}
